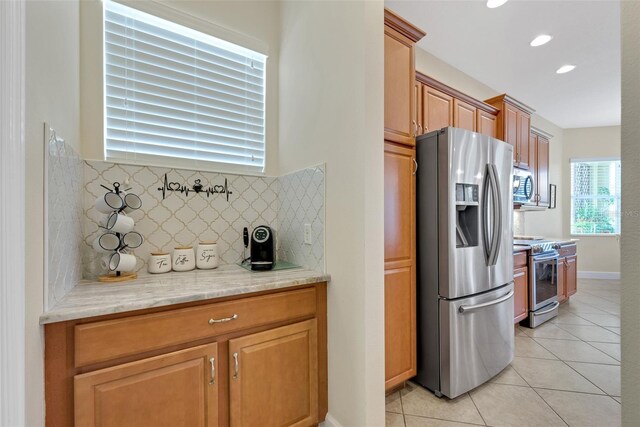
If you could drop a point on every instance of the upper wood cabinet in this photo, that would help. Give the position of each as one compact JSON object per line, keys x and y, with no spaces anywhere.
{"x":174,"y":389}
{"x":539,"y":166}
{"x":514,"y":127}
{"x":443,"y":106}
{"x":265,"y":367}
{"x":487,"y":123}
{"x":464,"y":115}
{"x":399,"y":79}
{"x":437,"y":109}
{"x":542,"y":170}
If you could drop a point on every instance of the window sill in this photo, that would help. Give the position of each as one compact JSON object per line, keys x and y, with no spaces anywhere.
{"x":616,"y":235}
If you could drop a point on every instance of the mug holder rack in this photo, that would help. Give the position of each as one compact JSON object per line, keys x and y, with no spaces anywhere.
{"x":118,"y":276}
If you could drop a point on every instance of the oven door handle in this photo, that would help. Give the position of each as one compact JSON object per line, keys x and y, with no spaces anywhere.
{"x":465,"y":308}
{"x":549,"y":258}
{"x":556,"y":304}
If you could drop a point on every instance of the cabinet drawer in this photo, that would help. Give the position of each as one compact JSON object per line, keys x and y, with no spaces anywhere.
{"x":519,"y":259}
{"x":567,"y":250}
{"x":110,"y":339}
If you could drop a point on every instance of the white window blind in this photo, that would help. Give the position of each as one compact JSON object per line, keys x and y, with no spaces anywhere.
{"x":178,"y":97}
{"x":595,"y":196}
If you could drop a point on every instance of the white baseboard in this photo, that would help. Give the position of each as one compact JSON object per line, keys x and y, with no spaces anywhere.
{"x":329,"y":421}
{"x":605,"y":275}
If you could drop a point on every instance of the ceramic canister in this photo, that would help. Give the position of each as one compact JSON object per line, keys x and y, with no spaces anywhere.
{"x":159,"y":262}
{"x":184,"y":258}
{"x":207,"y":255}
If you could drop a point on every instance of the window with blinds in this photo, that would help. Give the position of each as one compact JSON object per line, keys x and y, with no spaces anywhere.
{"x":595,"y":196}
{"x":178,"y":97}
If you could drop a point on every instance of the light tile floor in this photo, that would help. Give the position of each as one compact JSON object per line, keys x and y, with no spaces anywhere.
{"x":566,"y":372}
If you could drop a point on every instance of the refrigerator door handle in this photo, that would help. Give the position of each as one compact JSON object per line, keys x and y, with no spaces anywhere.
{"x":485,"y":216}
{"x":497,"y":214}
{"x":466,"y":308}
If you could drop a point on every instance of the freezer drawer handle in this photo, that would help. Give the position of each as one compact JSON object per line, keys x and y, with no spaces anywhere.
{"x":555,"y":305}
{"x":465,"y":308}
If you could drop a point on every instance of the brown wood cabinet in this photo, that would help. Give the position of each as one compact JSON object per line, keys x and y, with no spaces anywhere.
{"x":487,"y":123}
{"x":520,"y":287}
{"x":442,"y":106}
{"x":173,"y":389}
{"x":406,"y":102}
{"x":267,"y":366}
{"x":400,"y":38}
{"x":464,"y":115}
{"x":437,"y":109}
{"x":400,"y":264}
{"x":270,"y":369}
{"x":567,"y":272}
{"x":539,"y":166}
{"x":514,"y":127}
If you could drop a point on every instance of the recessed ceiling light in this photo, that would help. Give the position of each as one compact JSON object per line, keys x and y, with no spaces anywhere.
{"x":540,"y":40}
{"x":492,"y":4}
{"x":565,"y":69}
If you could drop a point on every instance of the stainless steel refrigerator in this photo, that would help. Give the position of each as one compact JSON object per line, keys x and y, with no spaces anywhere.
{"x":465,"y":259}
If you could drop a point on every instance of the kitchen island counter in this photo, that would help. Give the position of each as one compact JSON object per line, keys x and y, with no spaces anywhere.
{"x":92,"y":298}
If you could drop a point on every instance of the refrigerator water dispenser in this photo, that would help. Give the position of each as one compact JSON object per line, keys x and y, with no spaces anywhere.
{"x":466,"y":215}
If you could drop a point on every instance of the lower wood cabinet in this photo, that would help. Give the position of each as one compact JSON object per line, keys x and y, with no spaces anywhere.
{"x":567,"y":272}
{"x":174,"y":389}
{"x":521,"y":296}
{"x":273,"y":377}
{"x":252,"y":374}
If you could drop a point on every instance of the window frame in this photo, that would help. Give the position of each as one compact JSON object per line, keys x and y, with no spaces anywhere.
{"x":207,"y":28}
{"x":572,"y":198}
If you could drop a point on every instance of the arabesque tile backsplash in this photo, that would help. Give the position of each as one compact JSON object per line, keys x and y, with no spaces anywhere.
{"x":285,"y":203}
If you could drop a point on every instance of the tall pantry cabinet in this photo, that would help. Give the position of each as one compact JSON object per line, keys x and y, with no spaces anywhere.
{"x":400,"y":128}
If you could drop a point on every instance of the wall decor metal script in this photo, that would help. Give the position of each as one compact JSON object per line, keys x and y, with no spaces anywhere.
{"x":197,"y":187}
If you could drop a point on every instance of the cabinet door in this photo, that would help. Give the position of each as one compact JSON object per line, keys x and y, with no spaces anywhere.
{"x":399,"y":325}
{"x":400,"y":273}
{"x":542,"y":166}
{"x":399,"y":80}
{"x":533,"y":157}
{"x":175,"y":389}
{"x":487,"y":124}
{"x":524,"y":132}
{"x":399,"y":204}
{"x":417,"y":116}
{"x":437,"y":109}
{"x":571,"y":275}
{"x":464,"y":115}
{"x":562,"y":279}
{"x":521,"y":297}
{"x":510,"y":123}
{"x":273,"y":378}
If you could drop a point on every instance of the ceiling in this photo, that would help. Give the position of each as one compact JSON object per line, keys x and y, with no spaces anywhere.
{"x":492,"y":46}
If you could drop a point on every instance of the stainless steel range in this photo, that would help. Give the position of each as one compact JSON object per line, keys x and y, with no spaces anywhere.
{"x":543,"y":281}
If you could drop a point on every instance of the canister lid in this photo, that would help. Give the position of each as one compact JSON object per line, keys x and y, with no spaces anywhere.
{"x":183,"y":247}
{"x":159,"y":253}
{"x":207,"y":243}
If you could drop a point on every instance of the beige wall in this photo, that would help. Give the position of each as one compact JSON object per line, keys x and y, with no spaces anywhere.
{"x":596,"y":253}
{"x":630,"y":16}
{"x":331,"y":110}
{"x":549,"y":222}
{"x":52,"y":95}
{"x":252,"y":24}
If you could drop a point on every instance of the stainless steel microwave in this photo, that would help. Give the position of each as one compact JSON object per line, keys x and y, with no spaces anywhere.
{"x":522,"y":186}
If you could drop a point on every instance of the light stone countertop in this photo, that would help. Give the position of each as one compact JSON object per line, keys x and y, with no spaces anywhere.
{"x":91,"y":298}
{"x":563,"y":241}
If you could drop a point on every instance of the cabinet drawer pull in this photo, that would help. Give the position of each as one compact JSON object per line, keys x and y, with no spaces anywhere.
{"x":212,"y":362}
{"x":419,"y":129}
{"x":226,"y":319}
{"x":518,"y":275}
{"x":415,"y":127}
{"x":235,"y":370}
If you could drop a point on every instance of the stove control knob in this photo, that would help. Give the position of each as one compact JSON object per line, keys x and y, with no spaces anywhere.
{"x":536,"y":249}
{"x":556,"y":246}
